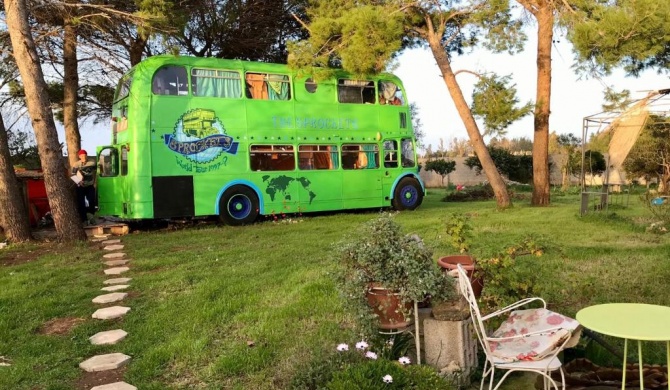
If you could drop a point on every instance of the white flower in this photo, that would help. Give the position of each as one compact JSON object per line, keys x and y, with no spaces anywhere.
{"x":361,"y":345}
{"x":389,"y":342}
{"x":342,"y":347}
{"x":387,"y":379}
{"x":371,"y":355}
{"x":404,"y":360}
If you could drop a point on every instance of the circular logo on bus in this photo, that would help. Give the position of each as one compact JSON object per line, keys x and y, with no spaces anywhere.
{"x":200,"y":136}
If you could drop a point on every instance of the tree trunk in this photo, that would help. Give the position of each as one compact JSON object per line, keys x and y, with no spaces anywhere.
{"x":492,"y":174}
{"x":59,"y":188}
{"x":136,"y":49}
{"x":13,"y":215}
{"x":545,"y":34}
{"x":70,"y":88}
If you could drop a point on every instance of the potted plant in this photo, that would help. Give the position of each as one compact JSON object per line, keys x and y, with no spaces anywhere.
{"x":383,"y":271}
{"x":458,"y":233}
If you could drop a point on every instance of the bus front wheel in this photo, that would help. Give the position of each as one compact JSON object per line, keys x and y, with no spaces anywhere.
{"x":238,"y":206}
{"x":408,"y":194}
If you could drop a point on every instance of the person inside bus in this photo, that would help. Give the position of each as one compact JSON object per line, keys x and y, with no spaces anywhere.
{"x":84,"y":170}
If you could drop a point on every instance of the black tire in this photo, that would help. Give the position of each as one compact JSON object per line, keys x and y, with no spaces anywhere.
{"x":408,"y":194}
{"x":238,"y":206}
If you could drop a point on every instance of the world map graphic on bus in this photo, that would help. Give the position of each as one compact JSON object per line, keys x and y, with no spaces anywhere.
{"x":200,"y":136}
{"x":279,"y":185}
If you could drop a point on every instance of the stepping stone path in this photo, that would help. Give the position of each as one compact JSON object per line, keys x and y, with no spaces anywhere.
{"x":109,"y":313}
{"x":110,"y":298}
{"x":107,"y":338}
{"x":115,"y":386}
{"x":116,"y":271}
{"x":115,"y":287}
{"x":117,"y":281}
{"x":114,"y":263}
{"x":107,"y":362}
{"x":116,"y":260}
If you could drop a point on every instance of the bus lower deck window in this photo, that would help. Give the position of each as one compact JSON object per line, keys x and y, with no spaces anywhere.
{"x":360,"y":156}
{"x":272,"y":158}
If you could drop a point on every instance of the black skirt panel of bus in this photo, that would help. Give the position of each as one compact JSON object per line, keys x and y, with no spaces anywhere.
{"x":173,"y":196}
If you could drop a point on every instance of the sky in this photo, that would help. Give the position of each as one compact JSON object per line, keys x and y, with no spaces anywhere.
{"x":572,"y":99}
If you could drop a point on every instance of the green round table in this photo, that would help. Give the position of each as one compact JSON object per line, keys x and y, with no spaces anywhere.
{"x":635,"y":321}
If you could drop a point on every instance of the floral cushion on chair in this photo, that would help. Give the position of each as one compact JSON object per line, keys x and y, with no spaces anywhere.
{"x":555,"y":328}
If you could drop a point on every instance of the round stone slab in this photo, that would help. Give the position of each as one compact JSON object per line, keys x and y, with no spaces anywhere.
{"x":110,"y":361}
{"x":117,"y":281}
{"x":116,"y":271}
{"x":115,"y":287}
{"x":115,"y":386}
{"x":114,"y":263}
{"x":117,"y":255}
{"x":113,"y":247}
{"x":109,"y":298}
{"x":110,"y":242}
{"x":108,"y":337}
{"x":109,"y":313}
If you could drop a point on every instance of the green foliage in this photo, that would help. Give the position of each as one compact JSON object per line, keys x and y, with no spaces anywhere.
{"x":594,"y":162}
{"x":470,"y":194}
{"x":380,"y":253}
{"x":370,"y":376}
{"x":441,"y":167}
{"x":494,"y":101}
{"x":458,"y":232}
{"x":516,"y":167}
{"x":650,"y":156}
{"x":659,"y":208}
{"x":634,"y":34}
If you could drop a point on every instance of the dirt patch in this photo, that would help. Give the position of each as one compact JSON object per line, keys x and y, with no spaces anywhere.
{"x":88,"y":380}
{"x":30,"y":252}
{"x":60,"y":326}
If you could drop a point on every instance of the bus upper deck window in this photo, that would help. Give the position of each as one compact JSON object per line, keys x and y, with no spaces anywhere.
{"x":310,"y":85}
{"x":267,"y":86}
{"x":355,"y":91}
{"x":170,"y":80}
{"x":216,"y":83}
{"x":389,"y":93}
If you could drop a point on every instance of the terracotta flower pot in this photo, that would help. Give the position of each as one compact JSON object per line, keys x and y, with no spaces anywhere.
{"x":449,"y":263}
{"x":387,"y":306}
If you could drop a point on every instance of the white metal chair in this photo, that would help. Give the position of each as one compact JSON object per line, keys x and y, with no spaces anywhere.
{"x":528,"y":340}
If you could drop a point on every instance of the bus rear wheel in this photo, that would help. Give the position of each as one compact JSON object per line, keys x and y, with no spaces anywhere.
{"x":238,"y":206}
{"x":408,"y":194}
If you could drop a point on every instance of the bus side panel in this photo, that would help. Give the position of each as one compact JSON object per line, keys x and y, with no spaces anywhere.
{"x":362,"y":188}
{"x":319,"y":190}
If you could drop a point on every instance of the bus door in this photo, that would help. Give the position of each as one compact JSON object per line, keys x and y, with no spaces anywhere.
{"x":111,"y":181}
{"x":361,"y":176}
{"x":390,"y":165}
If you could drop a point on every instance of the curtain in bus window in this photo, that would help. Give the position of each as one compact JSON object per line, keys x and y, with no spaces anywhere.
{"x":256,"y":88}
{"x":216,"y":83}
{"x":278,"y":87}
{"x":371,"y":154}
{"x":334,"y":157}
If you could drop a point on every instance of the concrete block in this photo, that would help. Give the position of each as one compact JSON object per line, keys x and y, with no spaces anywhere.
{"x":109,"y":337}
{"x":450,"y":346}
{"x":109,"y":298}
{"x":115,"y":386}
{"x":115,"y":247}
{"x":110,"y":361}
{"x":115,"y":287}
{"x":109,"y":313}
{"x":117,"y":281}
{"x":112,"y":256}
{"x":116,"y":270}
{"x":110,"y":242}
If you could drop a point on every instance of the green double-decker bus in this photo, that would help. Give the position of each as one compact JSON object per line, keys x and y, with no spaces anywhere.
{"x":202,"y":136}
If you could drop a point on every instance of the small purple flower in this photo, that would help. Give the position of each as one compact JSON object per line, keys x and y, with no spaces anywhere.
{"x":342,"y":347}
{"x":371,"y":355}
{"x":361,"y":345}
{"x":404,"y":360}
{"x":387,"y":379}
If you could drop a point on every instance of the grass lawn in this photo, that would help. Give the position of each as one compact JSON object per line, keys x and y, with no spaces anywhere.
{"x":245,"y":308}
